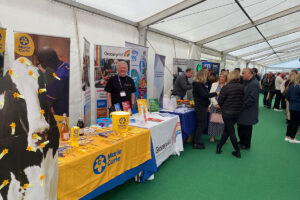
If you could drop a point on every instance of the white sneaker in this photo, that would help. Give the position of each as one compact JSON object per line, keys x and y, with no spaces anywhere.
{"x":294,"y":141}
{"x":286,"y":139}
{"x":278,"y":110}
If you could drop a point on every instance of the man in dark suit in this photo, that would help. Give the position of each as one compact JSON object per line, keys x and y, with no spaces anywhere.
{"x":249,"y":115}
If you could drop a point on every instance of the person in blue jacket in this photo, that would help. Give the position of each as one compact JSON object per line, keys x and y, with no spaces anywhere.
{"x":58,"y":89}
{"x":293,"y":96}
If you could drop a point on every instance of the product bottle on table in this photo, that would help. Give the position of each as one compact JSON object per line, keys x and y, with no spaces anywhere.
{"x":74,"y":138}
{"x":64,"y":130}
{"x":80,"y":124}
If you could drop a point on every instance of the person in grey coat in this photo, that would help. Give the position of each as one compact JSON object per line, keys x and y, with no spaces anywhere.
{"x":249,"y":115}
{"x":182,"y":85}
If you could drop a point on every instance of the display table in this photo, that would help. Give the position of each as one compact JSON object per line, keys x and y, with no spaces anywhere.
{"x":188,"y":121}
{"x":88,"y":172}
{"x":166,"y":139}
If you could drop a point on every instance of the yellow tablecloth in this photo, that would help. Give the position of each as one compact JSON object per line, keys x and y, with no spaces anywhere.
{"x":82,"y":172}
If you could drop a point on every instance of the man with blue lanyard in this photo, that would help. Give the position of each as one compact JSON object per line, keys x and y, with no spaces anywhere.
{"x":58,"y":89}
{"x":120,"y":88}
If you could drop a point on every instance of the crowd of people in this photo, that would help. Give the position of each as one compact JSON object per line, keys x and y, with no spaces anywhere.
{"x":286,"y":89}
{"x":231,"y":101}
{"x":234,"y":99}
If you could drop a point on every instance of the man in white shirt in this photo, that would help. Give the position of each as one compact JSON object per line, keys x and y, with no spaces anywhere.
{"x":278,"y":99}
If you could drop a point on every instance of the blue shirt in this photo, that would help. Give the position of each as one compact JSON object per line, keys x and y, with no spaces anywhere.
{"x":293,"y":96}
{"x":58,"y":90}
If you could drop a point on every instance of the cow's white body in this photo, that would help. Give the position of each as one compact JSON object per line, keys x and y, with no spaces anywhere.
{"x":28,"y":86}
{"x":46,"y":192}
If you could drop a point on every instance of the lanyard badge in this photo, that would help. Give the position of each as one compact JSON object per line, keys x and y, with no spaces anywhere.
{"x":122,"y":93}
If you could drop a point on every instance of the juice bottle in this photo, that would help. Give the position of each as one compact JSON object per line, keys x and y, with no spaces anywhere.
{"x":64,"y":130}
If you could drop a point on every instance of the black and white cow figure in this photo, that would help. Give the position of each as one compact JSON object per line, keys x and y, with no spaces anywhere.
{"x":31,"y":169}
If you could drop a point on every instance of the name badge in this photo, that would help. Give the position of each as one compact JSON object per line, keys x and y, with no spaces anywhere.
{"x":123,"y":94}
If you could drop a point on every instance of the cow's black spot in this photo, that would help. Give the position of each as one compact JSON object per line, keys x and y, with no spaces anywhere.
{"x":18,"y":159}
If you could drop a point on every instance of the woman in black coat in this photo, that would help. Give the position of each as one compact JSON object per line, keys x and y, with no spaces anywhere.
{"x":201,"y":97}
{"x":231,"y":102}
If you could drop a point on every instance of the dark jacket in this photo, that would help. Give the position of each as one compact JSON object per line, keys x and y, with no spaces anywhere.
{"x":293,"y":96}
{"x":201,"y":95}
{"x":249,"y":114}
{"x":272,"y":85}
{"x":181,"y":85}
{"x":265,"y":84}
{"x":231,"y":98}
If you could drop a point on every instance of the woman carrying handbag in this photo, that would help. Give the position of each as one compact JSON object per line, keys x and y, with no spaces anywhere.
{"x":231,"y":103}
{"x":216,"y":124}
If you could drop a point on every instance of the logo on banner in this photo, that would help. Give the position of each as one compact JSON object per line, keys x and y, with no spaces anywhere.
{"x":24,"y":44}
{"x":24,"y":40}
{"x":177,"y":131}
{"x":113,"y":54}
{"x":2,"y":40}
{"x":134,"y":55}
{"x":162,"y":147}
{"x":127,"y":53}
{"x":101,"y":162}
{"x":101,"y":103}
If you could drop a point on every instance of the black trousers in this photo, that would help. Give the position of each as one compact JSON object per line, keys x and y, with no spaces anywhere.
{"x":245,"y":134}
{"x":201,"y":123}
{"x":229,"y":131}
{"x":265,"y":97}
{"x":272,"y":93}
{"x":279,"y":99}
{"x":293,"y":124}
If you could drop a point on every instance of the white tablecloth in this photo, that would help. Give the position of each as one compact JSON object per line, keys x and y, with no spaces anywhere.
{"x":166,"y":136}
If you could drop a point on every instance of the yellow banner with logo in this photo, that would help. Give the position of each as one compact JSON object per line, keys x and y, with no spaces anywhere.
{"x":24,"y":44}
{"x":2,"y":40}
{"x":82,"y":172}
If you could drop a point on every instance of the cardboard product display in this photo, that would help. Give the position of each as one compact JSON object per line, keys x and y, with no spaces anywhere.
{"x":142,"y":102}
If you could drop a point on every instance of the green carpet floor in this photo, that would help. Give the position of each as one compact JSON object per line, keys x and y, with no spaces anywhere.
{"x":270,"y":170}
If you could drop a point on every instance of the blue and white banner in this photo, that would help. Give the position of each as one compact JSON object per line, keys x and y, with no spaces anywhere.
{"x":138,"y":70}
{"x":159,"y":68}
{"x":86,"y":89}
{"x":106,"y":60}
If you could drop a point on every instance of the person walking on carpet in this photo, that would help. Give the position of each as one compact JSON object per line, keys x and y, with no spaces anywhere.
{"x":231,"y":103}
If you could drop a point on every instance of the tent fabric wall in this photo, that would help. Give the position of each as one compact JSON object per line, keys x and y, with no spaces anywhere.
{"x":102,"y":31}
{"x":50,"y":18}
{"x":168,"y":47}
{"x":45,"y":17}
{"x":194,"y":51}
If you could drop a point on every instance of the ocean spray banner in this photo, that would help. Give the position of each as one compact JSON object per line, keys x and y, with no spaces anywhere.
{"x":159,"y":68}
{"x":106,"y":60}
{"x":86,"y":89}
{"x":138,"y":70}
{"x":2,"y":49}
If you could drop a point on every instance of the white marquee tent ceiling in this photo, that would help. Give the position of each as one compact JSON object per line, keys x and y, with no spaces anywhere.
{"x":262,"y":31}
